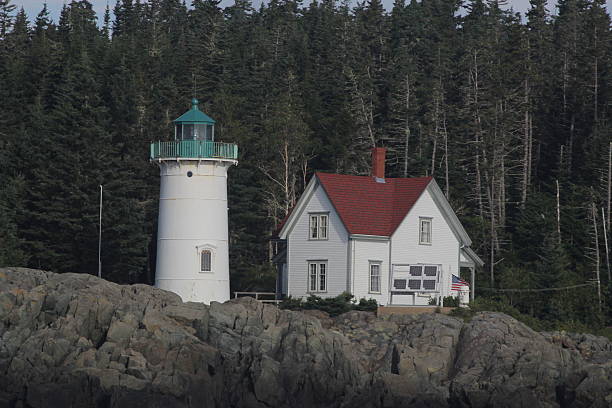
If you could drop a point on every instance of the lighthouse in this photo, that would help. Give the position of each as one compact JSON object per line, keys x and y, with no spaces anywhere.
{"x":192,"y":234}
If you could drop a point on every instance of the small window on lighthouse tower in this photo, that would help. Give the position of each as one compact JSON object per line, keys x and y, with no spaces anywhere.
{"x":206,"y":258}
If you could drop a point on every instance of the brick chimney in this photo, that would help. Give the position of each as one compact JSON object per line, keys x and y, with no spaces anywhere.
{"x":378,"y":163}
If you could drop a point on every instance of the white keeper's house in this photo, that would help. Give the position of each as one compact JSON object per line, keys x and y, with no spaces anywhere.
{"x":396,"y":240}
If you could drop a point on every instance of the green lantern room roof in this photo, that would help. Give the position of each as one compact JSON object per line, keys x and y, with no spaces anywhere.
{"x":194,"y":115}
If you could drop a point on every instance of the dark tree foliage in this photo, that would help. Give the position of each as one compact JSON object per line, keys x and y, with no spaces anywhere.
{"x":509,"y":113}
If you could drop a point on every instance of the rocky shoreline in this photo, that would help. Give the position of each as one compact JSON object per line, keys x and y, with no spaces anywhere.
{"x":73,"y":340}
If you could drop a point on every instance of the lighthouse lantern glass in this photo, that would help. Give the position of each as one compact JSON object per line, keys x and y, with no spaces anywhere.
{"x":190,"y":131}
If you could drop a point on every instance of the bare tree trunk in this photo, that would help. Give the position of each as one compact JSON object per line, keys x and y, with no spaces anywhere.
{"x":605,"y":231}
{"x":595,"y":75}
{"x":530,"y":166}
{"x":609,"y":181}
{"x":595,"y":90}
{"x":270,"y":250}
{"x":479,"y":140}
{"x":420,"y":141}
{"x":407,"y":126}
{"x":479,"y":186}
{"x":287,"y":188}
{"x":491,"y":198}
{"x":558,"y":214}
{"x":365,"y":107}
{"x":596,"y":254}
{"x":565,"y":80}
{"x":304,"y":172}
{"x":407,"y":134}
{"x":501,"y":196}
{"x":447,"y":188}
{"x":435,"y":135}
{"x":284,"y":178}
{"x":570,"y":146}
{"x":433,"y":153}
{"x":526,"y":149}
{"x":501,"y":201}
{"x":492,"y":252}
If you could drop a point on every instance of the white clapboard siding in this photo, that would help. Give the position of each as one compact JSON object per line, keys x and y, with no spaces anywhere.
{"x":363,"y":252}
{"x":444,"y":248}
{"x":300,"y":249}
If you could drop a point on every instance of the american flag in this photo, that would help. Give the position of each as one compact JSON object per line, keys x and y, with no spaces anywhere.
{"x":458,"y":283}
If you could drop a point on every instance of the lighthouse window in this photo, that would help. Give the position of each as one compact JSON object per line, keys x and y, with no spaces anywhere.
{"x":206,"y":258}
{"x":188,"y":132}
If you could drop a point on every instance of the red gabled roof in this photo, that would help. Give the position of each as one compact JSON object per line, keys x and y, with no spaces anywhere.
{"x":368,"y":207}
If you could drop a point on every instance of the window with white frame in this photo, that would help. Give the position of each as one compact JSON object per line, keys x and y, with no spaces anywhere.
{"x":206,"y":260}
{"x":318,"y":226}
{"x":374,"y":277}
{"x":416,"y":278}
{"x":317,"y":276}
{"x":425,"y":231}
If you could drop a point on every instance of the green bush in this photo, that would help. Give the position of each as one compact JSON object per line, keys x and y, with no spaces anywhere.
{"x":290,"y":303}
{"x":333,"y":306}
{"x":367,"y":305}
{"x":449,"y":301}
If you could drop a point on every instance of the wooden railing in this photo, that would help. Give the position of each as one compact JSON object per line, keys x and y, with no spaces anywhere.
{"x":258,"y":296}
{"x":194,"y":149}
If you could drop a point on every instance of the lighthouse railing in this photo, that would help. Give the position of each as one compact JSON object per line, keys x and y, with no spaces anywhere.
{"x":203,"y":149}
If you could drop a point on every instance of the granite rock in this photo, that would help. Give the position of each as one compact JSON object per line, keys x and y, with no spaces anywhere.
{"x":73,"y":340}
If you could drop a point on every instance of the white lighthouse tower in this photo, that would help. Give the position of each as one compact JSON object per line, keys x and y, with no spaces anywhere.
{"x":192,"y":236}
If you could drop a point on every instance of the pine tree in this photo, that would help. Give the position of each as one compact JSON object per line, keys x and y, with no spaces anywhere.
{"x":364,"y":80}
{"x":498,"y":107}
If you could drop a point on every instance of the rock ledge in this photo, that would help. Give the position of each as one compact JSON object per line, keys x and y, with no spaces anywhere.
{"x":73,"y":340}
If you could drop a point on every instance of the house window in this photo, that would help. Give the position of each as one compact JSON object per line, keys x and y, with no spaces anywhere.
{"x":318,"y":226}
{"x":206,"y":261}
{"x":425,"y":231}
{"x":374,"y":277}
{"x":317,"y":276}
{"x":416,"y":278}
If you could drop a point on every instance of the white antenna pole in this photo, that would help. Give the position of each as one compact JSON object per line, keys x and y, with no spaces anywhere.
{"x":100,"y":238}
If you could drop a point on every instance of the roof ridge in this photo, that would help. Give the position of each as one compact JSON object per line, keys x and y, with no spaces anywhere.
{"x":366,"y":206}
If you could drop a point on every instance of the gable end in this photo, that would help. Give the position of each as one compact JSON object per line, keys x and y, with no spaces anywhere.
{"x":449,"y":215}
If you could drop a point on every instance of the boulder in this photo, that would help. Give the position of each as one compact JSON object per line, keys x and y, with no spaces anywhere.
{"x":76,"y":340}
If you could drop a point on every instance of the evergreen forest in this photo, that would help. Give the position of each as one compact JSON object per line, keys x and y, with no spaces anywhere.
{"x":510,"y":113}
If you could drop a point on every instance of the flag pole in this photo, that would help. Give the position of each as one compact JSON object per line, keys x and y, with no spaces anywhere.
{"x":100,"y":238}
